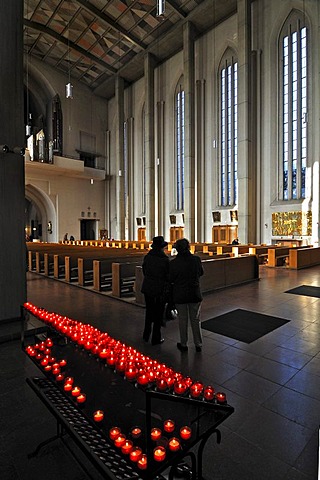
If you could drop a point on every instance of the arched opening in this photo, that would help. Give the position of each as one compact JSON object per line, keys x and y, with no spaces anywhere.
{"x":40,"y":215}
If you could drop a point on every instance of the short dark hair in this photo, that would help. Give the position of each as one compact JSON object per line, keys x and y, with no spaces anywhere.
{"x":182,"y":245}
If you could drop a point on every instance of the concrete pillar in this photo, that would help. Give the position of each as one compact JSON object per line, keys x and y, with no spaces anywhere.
{"x":12,"y":199}
{"x":149,"y":64}
{"x":246,"y":162}
{"x":189,"y":131}
{"x":120,"y":208}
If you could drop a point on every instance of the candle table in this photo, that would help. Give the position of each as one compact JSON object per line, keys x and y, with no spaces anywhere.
{"x":127,"y":405}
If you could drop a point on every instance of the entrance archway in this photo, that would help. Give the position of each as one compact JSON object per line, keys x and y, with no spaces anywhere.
{"x":41,"y":212}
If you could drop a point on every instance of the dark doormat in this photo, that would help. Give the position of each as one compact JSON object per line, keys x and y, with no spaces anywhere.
{"x":307,"y":290}
{"x":243,"y":325}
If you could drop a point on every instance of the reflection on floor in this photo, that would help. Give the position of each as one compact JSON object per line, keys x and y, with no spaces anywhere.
{"x":273,"y":383}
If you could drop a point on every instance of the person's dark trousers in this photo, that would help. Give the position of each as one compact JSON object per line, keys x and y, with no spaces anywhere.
{"x":154,"y":315}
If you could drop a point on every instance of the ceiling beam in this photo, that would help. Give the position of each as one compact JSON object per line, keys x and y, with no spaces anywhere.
{"x":109,"y":21}
{"x":176,"y":9}
{"x":51,"y":33}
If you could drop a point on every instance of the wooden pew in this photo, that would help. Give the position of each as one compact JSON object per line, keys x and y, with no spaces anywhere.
{"x":218,"y":273}
{"x":31,"y":261}
{"x":48,"y":264}
{"x":123,"y":278}
{"x":304,"y":257}
{"x":224,"y":272}
{"x":71,"y":269}
{"x":85,"y":271}
{"x":102,"y":275}
{"x":279,"y":255}
{"x":58,"y":266}
{"x":102,"y":270}
{"x":39,"y":262}
{"x":261,"y":251}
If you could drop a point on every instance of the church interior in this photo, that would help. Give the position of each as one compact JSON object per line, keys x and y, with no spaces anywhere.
{"x":130,"y":119}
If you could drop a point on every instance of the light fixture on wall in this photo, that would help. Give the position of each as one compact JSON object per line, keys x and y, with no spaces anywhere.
{"x":161,"y":6}
{"x":69,"y":90}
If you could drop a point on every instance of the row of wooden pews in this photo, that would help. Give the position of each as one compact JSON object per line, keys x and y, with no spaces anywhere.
{"x":108,"y":269}
{"x":116,"y":269}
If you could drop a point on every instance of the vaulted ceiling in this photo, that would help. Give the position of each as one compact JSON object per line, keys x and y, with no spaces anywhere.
{"x":94,"y":40}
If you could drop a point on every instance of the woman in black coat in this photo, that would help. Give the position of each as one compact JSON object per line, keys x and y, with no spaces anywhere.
{"x":185,"y":272}
{"x":155,"y":268}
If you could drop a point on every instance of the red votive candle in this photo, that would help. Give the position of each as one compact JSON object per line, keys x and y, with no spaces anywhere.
{"x":81,"y":398}
{"x":59,"y":377}
{"x":63,"y":363}
{"x":47,"y":368}
{"x":127,"y":447}
{"x":221,"y":397}
{"x":180,"y":387}
{"x":143,"y":379}
{"x":168,"y":426}
{"x":103,"y":353}
{"x":161,"y":384}
{"x":75,"y":391}
{"x":170,"y":381}
{"x":111,"y":360}
{"x":69,"y":380}
{"x":151,"y":376}
{"x":136,"y":432}
{"x":188,"y":381}
{"x":56,"y":370}
{"x":98,"y":416}
{"x":174,"y":444}
{"x":208,"y":393}
{"x":142,"y":462}
{"x":155,"y":434}
{"x":185,"y":433}
{"x":119,"y":441}
{"x":159,"y":454}
{"x":131,"y":373}
{"x":44,"y":361}
{"x":135,"y":454}
{"x":114,"y":432}
{"x":120,"y":366}
{"x":196,"y":389}
{"x":67,"y":387}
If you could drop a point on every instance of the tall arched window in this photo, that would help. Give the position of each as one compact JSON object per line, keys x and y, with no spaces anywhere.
{"x":143,"y":166}
{"x":228,"y":82}
{"x":179,"y":119}
{"x":293,"y":54}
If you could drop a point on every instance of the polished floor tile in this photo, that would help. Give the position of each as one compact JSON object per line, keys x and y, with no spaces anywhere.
{"x":273,"y":383}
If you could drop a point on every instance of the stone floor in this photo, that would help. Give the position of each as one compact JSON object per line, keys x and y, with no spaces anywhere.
{"x":273,"y":383}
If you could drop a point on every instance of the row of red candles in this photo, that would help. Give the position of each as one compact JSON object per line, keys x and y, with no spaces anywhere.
{"x":120,"y":440}
{"x":127,"y":360}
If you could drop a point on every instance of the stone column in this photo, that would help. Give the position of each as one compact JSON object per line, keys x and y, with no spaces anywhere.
{"x":246,"y":163}
{"x":189,"y":132}
{"x":12,"y":198}
{"x":149,"y":64}
{"x":120,"y":208}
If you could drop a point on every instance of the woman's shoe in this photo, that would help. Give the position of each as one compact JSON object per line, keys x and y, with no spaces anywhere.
{"x":182,"y":348}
